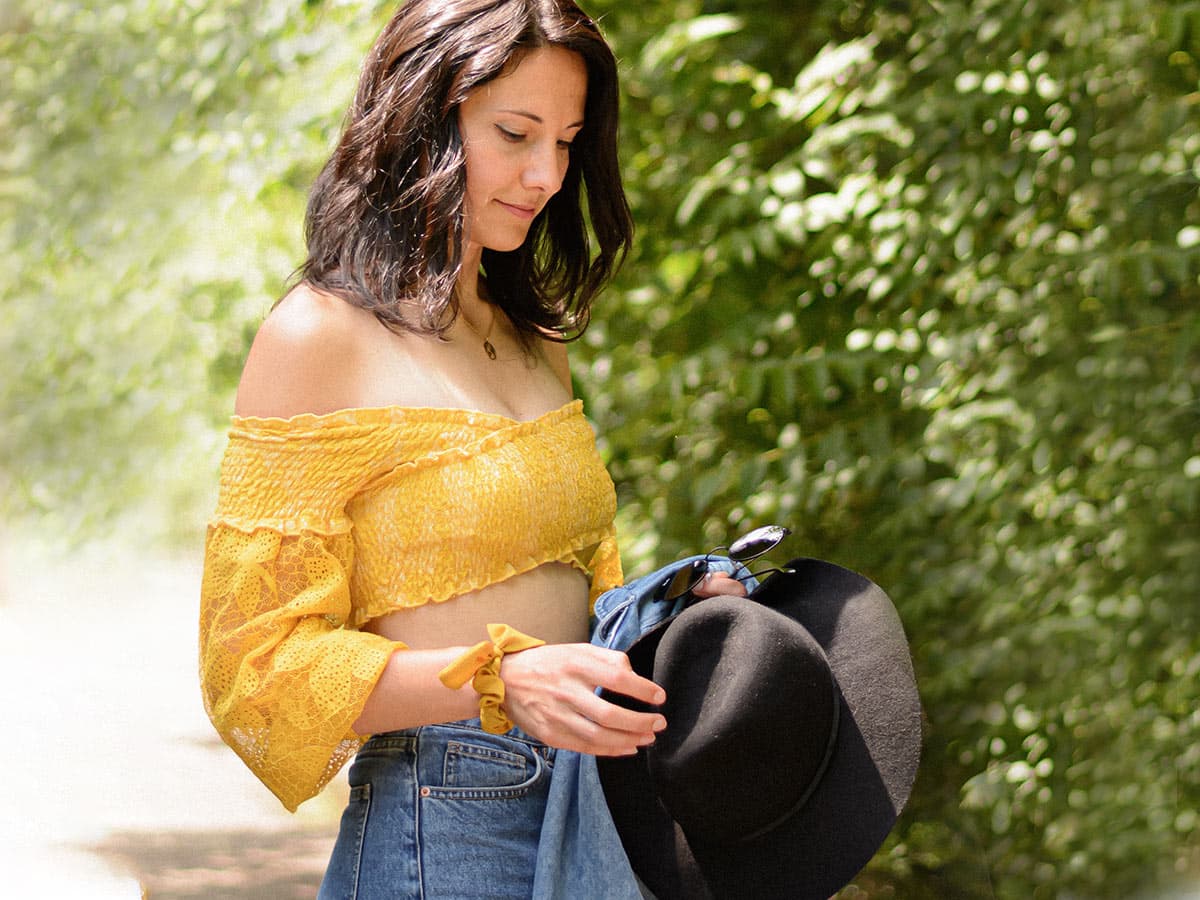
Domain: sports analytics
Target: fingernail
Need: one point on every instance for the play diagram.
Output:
(660, 698)
(660, 723)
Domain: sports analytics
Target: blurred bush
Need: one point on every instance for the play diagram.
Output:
(921, 281)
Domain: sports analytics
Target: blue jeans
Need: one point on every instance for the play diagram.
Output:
(443, 811)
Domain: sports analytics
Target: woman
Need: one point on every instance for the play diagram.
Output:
(407, 467)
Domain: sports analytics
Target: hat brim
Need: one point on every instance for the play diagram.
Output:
(865, 786)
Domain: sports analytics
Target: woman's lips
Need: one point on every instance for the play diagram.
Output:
(521, 212)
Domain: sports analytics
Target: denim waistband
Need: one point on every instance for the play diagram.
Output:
(407, 739)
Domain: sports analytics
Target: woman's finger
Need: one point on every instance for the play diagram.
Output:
(617, 718)
(610, 669)
(719, 583)
(587, 736)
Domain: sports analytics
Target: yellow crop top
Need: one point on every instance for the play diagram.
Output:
(326, 521)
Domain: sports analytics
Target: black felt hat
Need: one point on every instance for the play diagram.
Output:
(792, 740)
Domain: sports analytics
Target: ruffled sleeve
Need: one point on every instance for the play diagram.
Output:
(284, 676)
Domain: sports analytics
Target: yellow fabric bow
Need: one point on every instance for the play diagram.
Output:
(481, 664)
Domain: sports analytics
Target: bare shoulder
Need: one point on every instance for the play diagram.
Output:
(556, 355)
(304, 358)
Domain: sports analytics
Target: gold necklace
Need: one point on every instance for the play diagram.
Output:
(488, 348)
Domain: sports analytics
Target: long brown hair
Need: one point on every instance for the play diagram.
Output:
(385, 216)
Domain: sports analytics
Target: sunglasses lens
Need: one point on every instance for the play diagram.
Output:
(686, 578)
(750, 545)
(757, 542)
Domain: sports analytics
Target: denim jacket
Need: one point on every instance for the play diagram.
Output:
(579, 844)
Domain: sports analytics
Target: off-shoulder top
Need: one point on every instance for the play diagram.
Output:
(326, 521)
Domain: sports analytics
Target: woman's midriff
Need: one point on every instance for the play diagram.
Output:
(549, 602)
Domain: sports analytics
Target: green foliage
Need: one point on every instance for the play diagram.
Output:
(918, 280)
(151, 191)
(927, 293)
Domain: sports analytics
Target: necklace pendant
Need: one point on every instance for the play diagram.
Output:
(489, 349)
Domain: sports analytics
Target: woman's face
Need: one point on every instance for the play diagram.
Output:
(517, 131)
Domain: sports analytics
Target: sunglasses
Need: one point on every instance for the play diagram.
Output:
(749, 546)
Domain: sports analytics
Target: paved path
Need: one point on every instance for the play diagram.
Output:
(112, 782)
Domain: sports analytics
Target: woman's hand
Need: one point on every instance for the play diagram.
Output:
(550, 692)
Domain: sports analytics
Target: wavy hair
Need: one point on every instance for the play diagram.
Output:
(385, 219)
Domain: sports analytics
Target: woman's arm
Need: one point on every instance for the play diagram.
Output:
(549, 693)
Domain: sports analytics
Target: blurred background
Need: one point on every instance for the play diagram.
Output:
(917, 279)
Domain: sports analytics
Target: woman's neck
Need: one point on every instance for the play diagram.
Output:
(471, 293)
(468, 285)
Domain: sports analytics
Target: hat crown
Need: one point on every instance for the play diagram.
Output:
(752, 709)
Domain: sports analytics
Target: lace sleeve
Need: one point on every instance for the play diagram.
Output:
(283, 675)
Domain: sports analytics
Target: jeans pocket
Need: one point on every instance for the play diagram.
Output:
(342, 875)
(483, 766)
(476, 765)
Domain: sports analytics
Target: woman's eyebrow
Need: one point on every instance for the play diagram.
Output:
(536, 118)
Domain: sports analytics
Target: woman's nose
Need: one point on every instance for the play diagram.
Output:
(545, 168)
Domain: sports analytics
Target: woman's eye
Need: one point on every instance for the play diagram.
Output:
(513, 136)
(565, 145)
